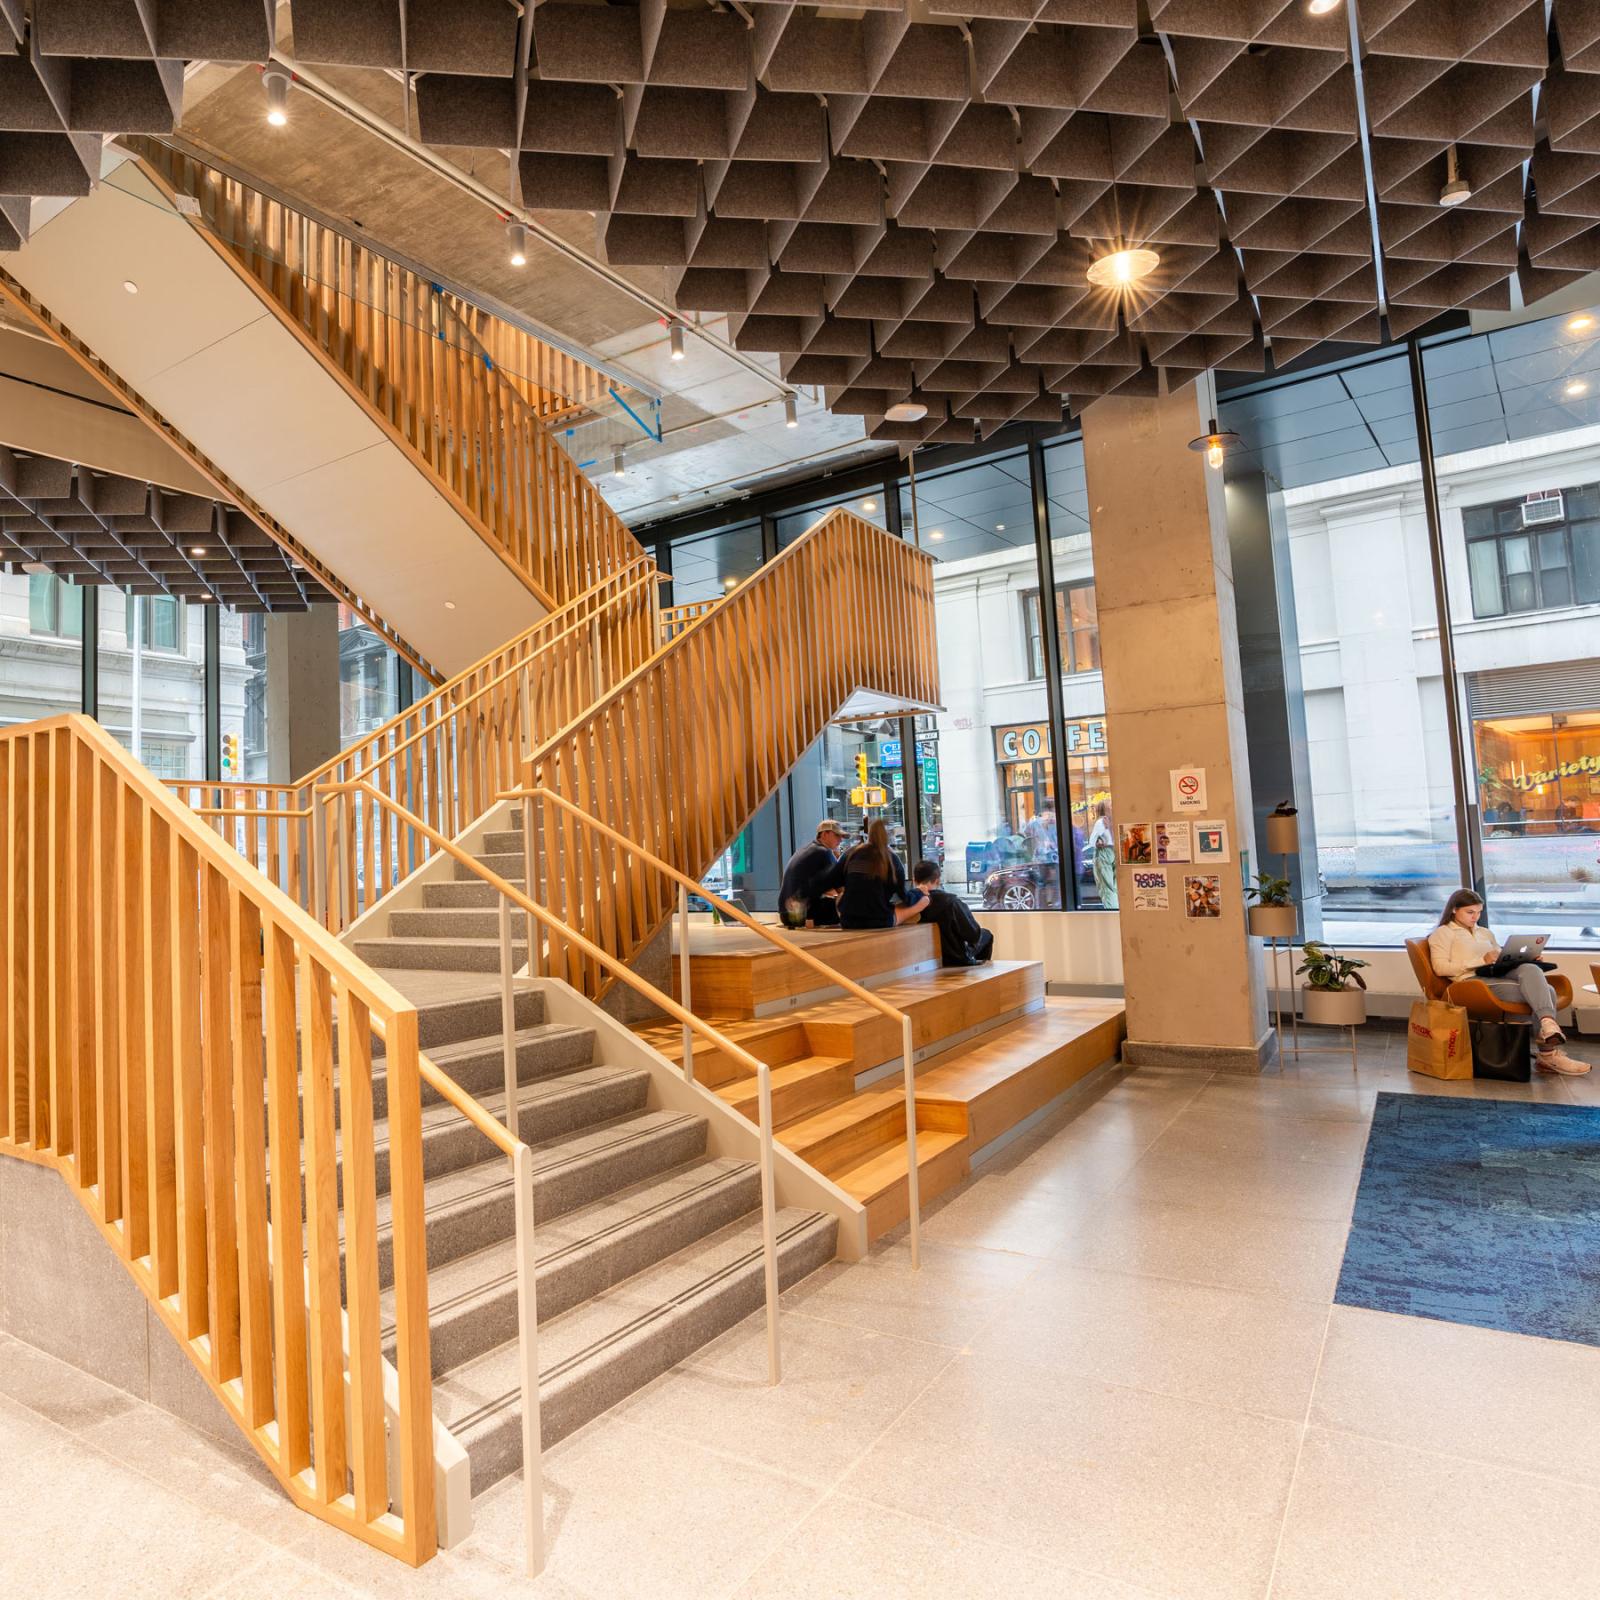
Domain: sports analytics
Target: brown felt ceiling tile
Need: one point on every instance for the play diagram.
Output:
(1457, 30)
(1578, 27)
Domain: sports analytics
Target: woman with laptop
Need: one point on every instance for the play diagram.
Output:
(1461, 946)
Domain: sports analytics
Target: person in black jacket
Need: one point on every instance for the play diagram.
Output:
(962, 943)
(802, 900)
(874, 880)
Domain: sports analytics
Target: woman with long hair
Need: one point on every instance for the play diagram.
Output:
(1462, 943)
(1102, 852)
(874, 882)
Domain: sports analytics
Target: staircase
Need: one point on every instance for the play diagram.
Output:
(379, 437)
(647, 1245)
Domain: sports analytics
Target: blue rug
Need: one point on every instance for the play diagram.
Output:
(1480, 1211)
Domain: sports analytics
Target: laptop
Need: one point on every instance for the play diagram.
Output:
(1514, 952)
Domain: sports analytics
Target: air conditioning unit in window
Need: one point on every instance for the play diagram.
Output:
(1544, 506)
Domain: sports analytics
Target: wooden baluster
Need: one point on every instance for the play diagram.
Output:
(13, 898)
(38, 941)
(361, 1256)
(189, 1091)
(250, 1166)
(288, 1261)
(157, 938)
(322, 1228)
(63, 1037)
(108, 1022)
(222, 1239)
(135, 998)
(81, 843)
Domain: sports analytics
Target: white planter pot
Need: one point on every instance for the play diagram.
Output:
(1334, 1008)
(1283, 835)
(1273, 922)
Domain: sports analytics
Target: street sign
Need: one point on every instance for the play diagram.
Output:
(930, 775)
(888, 752)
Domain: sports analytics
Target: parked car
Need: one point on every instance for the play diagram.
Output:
(1023, 886)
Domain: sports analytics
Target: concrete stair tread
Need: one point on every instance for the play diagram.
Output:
(492, 1176)
(885, 1169)
(602, 1350)
(442, 1115)
(430, 953)
(680, 1205)
(553, 1033)
(454, 922)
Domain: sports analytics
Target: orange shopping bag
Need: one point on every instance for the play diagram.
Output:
(1437, 1040)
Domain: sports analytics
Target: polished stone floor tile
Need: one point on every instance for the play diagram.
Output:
(1271, 1095)
(1229, 1249)
(1188, 1340)
(1169, 1495)
(991, 1213)
(1375, 1521)
(850, 1550)
(63, 1393)
(842, 1386)
(953, 1294)
(23, 1432)
(1463, 1391)
(1226, 1137)
(1297, 1191)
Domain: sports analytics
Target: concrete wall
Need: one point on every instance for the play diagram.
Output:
(63, 1290)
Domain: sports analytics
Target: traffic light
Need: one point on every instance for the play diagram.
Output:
(231, 765)
(861, 768)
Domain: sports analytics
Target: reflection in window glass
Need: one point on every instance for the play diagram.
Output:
(707, 566)
(870, 507)
(369, 679)
(153, 699)
(243, 689)
(1337, 453)
(1517, 450)
(1092, 827)
(988, 788)
(41, 647)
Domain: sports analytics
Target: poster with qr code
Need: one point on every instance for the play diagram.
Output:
(1150, 889)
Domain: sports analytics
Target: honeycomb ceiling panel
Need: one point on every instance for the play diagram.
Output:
(900, 200)
(95, 527)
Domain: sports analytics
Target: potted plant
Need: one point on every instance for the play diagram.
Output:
(1335, 991)
(1283, 830)
(1273, 914)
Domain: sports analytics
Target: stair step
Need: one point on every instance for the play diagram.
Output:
(502, 841)
(551, 1108)
(603, 1350)
(505, 864)
(438, 955)
(474, 1206)
(473, 1300)
(446, 1022)
(462, 892)
(798, 1087)
(842, 1134)
(879, 1182)
(453, 922)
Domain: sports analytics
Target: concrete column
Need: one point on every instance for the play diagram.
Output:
(302, 691)
(1169, 649)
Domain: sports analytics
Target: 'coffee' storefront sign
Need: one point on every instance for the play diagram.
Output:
(1030, 741)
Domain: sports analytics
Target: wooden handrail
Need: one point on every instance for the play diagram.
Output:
(452, 750)
(409, 354)
(174, 1031)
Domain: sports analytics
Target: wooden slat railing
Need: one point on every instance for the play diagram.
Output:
(674, 619)
(680, 755)
(409, 354)
(180, 1042)
(448, 755)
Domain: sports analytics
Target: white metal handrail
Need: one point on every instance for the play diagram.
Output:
(687, 885)
(337, 823)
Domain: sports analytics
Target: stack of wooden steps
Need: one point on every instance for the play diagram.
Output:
(991, 1050)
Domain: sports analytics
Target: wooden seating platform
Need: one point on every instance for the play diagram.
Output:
(991, 1050)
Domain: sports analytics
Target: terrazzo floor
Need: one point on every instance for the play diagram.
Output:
(1120, 1374)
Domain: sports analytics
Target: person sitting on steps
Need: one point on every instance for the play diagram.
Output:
(1461, 944)
(876, 894)
(962, 943)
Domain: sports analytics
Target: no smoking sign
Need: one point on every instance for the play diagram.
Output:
(1188, 788)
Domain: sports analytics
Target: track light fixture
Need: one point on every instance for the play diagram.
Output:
(276, 82)
(619, 464)
(675, 340)
(791, 413)
(517, 243)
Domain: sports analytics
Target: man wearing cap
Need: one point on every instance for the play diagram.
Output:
(801, 901)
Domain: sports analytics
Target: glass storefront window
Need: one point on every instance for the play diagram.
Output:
(708, 565)
(870, 506)
(153, 698)
(1516, 426)
(986, 779)
(41, 647)
(369, 679)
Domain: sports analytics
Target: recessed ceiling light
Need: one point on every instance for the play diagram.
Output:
(999, 527)
(1321, 8)
(276, 82)
(1581, 323)
(730, 583)
(449, 605)
(197, 549)
(936, 533)
(869, 505)
(1576, 387)
(130, 286)
(906, 411)
(1123, 268)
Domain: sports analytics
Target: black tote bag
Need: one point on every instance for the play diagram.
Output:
(1502, 1050)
